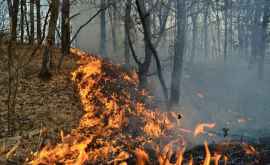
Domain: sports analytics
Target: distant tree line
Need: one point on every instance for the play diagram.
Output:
(194, 29)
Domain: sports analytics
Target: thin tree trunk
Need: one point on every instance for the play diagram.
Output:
(22, 20)
(218, 29)
(39, 31)
(103, 30)
(194, 39)
(226, 30)
(32, 22)
(231, 28)
(205, 24)
(26, 22)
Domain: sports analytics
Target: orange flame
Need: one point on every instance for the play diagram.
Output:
(207, 154)
(141, 156)
(200, 128)
(249, 149)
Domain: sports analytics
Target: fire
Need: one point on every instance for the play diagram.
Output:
(207, 155)
(249, 149)
(190, 161)
(116, 119)
(118, 123)
(200, 128)
(58, 154)
(141, 156)
(217, 158)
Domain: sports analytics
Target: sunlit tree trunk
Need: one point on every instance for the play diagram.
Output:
(22, 20)
(45, 68)
(26, 21)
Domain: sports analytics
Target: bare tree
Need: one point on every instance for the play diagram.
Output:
(13, 7)
(45, 68)
(149, 50)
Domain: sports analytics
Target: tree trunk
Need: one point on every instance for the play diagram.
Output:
(226, 30)
(32, 22)
(65, 25)
(46, 60)
(231, 28)
(144, 67)
(255, 36)
(179, 52)
(149, 50)
(194, 39)
(103, 32)
(127, 28)
(13, 7)
(26, 21)
(218, 28)
(114, 26)
(265, 22)
(205, 25)
(39, 31)
(22, 21)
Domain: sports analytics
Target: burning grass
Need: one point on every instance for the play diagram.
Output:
(120, 125)
(118, 121)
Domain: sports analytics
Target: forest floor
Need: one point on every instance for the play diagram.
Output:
(43, 108)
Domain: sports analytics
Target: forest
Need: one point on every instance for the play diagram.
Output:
(143, 82)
